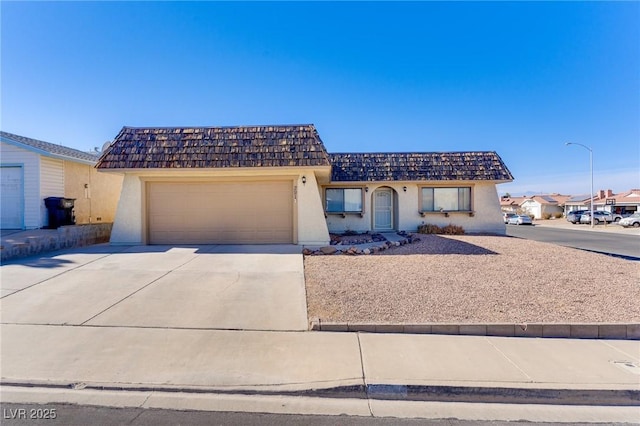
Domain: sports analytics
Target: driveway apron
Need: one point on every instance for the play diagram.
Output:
(196, 287)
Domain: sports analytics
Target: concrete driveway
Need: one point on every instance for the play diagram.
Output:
(199, 287)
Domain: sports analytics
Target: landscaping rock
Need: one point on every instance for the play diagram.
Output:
(328, 250)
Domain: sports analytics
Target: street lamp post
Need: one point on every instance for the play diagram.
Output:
(591, 169)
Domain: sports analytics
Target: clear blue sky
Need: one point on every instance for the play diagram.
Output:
(517, 78)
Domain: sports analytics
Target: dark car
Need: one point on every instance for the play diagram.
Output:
(574, 216)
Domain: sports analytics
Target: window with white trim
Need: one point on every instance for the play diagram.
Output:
(439, 199)
(343, 200)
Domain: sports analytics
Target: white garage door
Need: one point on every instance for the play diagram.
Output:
(12, 188)
(220, 213)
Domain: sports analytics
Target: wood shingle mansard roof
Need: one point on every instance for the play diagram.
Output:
(447, 166)
(288, 146)
(215, 147)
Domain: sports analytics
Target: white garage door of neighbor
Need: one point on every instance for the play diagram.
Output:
(220, 213)
(12, 188)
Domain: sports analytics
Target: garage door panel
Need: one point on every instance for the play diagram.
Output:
(12, 190)
(220, 213)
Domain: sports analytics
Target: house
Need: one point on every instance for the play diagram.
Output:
(32, 170)
(576, 202)
(623, 203)
(544, 206)
(278, 184)
(511, 204)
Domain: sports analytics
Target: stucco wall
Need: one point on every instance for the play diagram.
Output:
(312, 227)
(486, 205)
(127, 226)
(537, 209)
(532, 207)
(97, 202)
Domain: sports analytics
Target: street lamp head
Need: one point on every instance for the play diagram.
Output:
(567, 143)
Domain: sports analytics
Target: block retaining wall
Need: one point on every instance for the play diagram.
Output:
(57, 239)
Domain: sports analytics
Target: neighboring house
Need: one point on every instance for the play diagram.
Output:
(623, 203)
(278, 184)
(32, 170)
(576, 202)
(511, 204)
(541, 205)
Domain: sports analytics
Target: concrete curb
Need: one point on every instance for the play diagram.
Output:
(475, 394)
(572, 331)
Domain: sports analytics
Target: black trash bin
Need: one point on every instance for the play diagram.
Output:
(60, 211)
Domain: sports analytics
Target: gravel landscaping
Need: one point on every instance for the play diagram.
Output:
(473, 279)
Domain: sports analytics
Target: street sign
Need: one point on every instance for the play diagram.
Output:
(610, 201)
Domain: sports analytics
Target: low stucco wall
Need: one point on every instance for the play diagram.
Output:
(39, 241)
(486, 219)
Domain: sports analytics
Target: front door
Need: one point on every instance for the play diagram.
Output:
(383, 209)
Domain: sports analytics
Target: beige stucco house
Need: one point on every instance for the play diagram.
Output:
(32, 170)
(278, 184)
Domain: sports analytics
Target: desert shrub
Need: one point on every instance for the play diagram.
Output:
(557, 215)
(453, 230)
(435, 229)
(428, 228)
(546, 216)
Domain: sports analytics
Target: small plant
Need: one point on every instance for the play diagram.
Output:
(453, 230)
(435, 229)
(428, 228)
(557, 215)
(546, 216)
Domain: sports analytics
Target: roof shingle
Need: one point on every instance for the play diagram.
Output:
(368, 167)
(282, 146)
(50, 148)
(215, 147)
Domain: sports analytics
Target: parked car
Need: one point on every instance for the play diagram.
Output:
(507, 216)
(520, 220)
(598, 216)
(574, 216)
(633, 220)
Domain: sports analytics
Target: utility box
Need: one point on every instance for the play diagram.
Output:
(60, 211)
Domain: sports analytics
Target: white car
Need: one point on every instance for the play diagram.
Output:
(520, 220)
(507, 216)
(633, 220)
(600, 216)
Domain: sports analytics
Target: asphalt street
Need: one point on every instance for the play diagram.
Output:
(627, 246)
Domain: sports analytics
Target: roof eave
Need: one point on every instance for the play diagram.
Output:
(46, 153)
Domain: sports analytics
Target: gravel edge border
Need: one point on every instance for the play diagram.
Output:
(556, 330)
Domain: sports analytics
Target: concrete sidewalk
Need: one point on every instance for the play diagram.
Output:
(375, 365)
